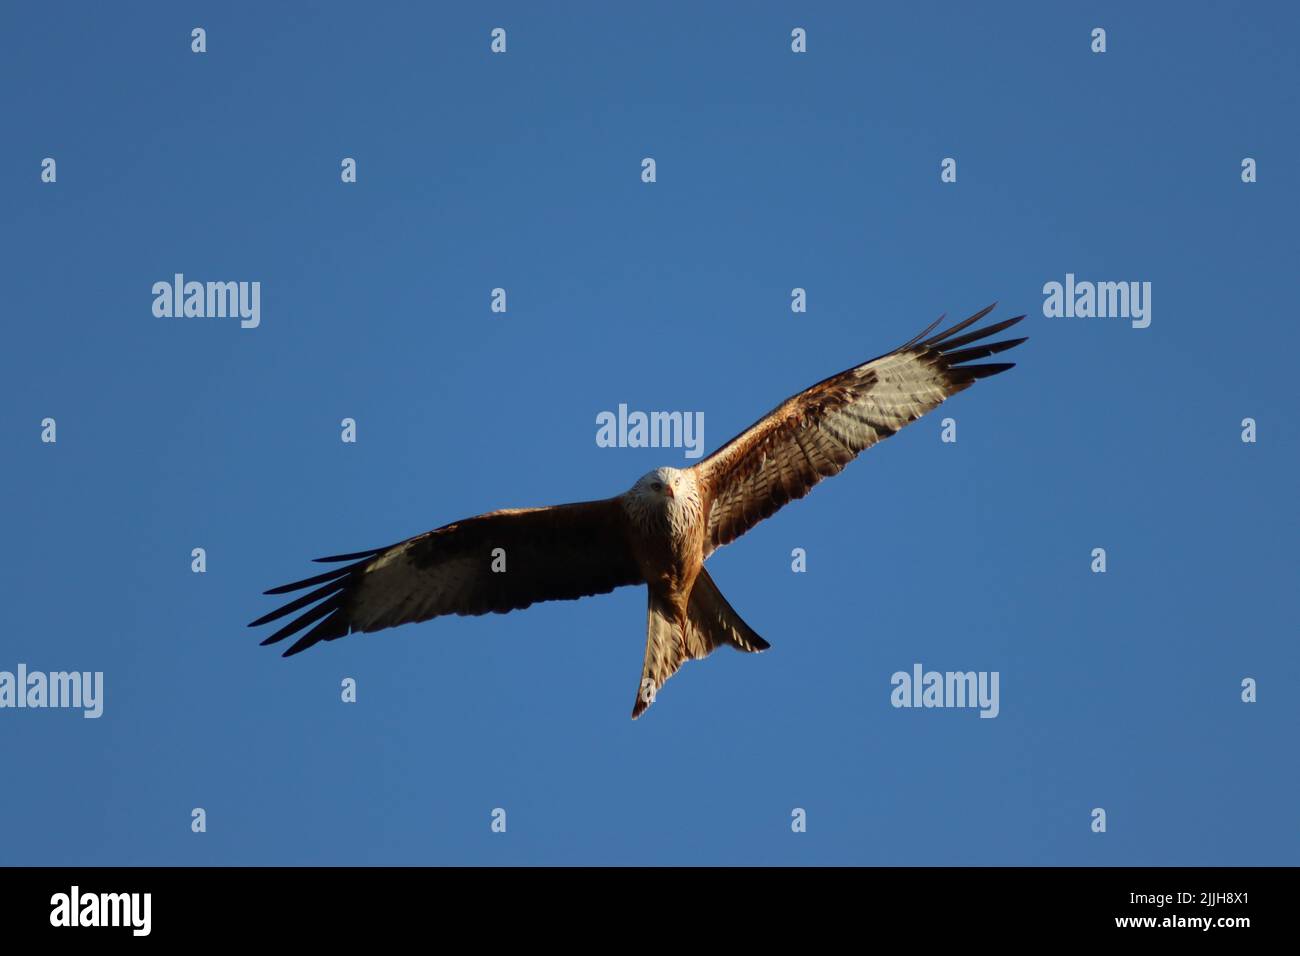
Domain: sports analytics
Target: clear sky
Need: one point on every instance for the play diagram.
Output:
(775, 170)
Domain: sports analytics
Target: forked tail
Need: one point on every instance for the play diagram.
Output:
(710, 623)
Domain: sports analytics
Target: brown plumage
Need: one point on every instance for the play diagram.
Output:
(659, 531)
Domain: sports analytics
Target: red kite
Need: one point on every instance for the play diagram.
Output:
(657, 533)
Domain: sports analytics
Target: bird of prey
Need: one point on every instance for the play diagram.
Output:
(657, 533)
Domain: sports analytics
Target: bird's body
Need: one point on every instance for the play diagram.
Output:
(657, 533)
(665, 518)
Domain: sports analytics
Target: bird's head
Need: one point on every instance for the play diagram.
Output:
(666, 498)
(662, 483)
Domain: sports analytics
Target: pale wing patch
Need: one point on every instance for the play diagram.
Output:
(397, 589)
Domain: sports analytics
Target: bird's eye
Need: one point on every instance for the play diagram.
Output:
(657, 486)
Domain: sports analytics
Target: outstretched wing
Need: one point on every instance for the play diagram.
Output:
(817, 432)
(545, 554)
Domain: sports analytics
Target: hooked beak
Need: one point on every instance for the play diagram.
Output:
(668, 491)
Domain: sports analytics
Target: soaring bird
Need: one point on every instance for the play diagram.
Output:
(657, 533)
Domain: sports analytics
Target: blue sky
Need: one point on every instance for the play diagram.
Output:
(774, 170)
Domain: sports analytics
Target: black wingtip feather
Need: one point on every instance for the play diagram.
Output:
(978, 334)
(310, 597)
(336, 585)
(972, 372)
(981, 351)
(923, 333)
(311, 617)
(964, 323)
(356, 555)
(327, 630)
(309, 582)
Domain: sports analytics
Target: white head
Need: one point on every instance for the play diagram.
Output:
(664, 497)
